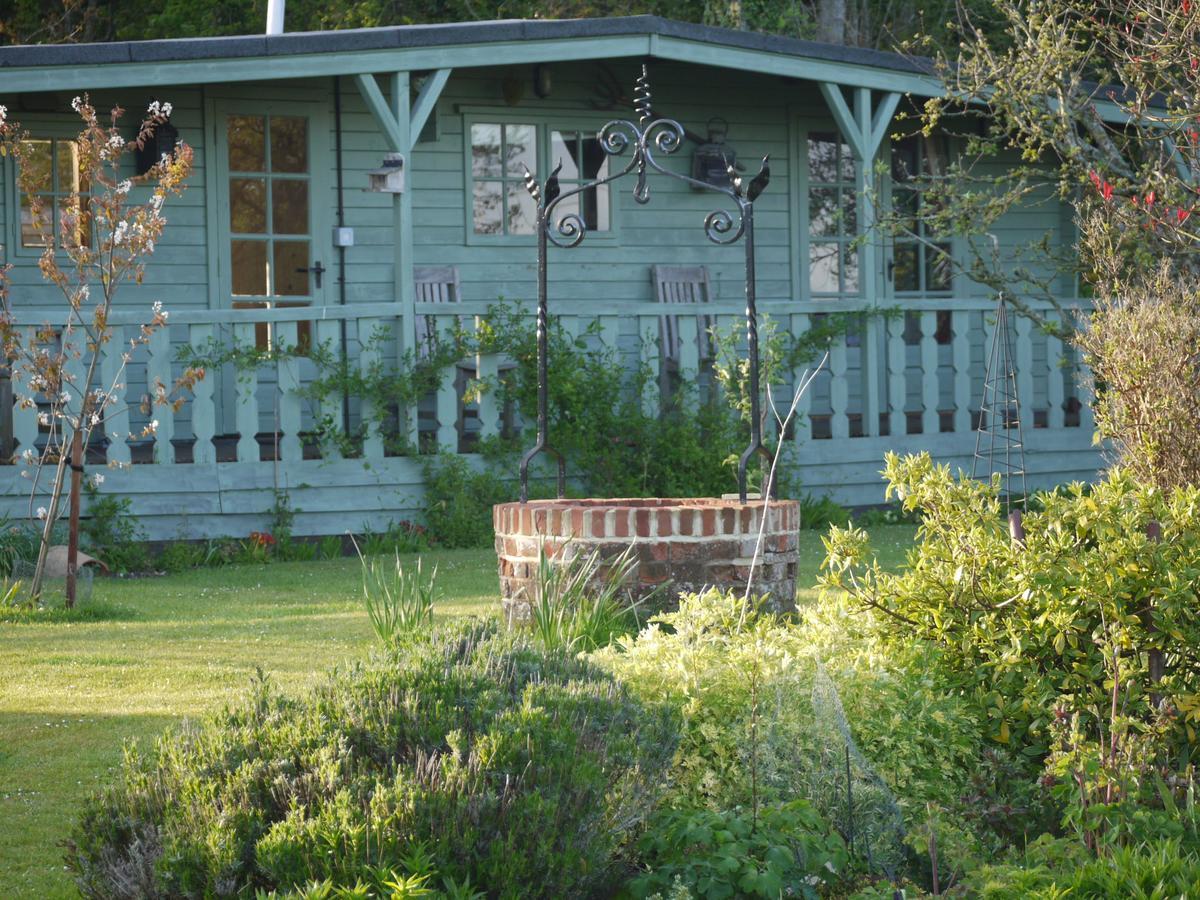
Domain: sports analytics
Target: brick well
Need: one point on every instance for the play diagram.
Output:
(689, 544)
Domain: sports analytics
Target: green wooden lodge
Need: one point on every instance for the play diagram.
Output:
(278, 238)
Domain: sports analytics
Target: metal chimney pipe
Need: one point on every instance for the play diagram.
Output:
(275, 16)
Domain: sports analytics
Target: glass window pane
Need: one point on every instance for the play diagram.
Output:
(31, 231)
(290, 257)
(595, 208)
(905, 159)
(247, 146)
(824, 264)
(564, 148)
(520, 149)
(824, 218)
(849, 270)
(485, 151)
(248, 205)
(39, 160)
(66, 157)
(71, 230)
(522, 215)
(592, 158)
(937, 268)
(289, 206)
(822, 158)
(485, 206)
(289, 144)
(249, 268)
(905, 276)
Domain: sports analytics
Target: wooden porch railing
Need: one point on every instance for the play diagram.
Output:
(918, 373)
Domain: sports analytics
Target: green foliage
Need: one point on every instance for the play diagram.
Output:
(581, 602)
(18, 543)
(399, 601)
(1156, 869)
(110, 533)
(818, 513)
(508, 766)
(459, 500)
(1027, 630)
(788, 851)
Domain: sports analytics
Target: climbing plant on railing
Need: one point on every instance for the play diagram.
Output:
(94, 239)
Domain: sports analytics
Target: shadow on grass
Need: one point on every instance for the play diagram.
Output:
(91, 611)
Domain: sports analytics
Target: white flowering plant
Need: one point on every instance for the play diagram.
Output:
(102, 242)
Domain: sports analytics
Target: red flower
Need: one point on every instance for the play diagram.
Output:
(1149, 199)
(1107, 191)
(1181, 215)
(262, 539)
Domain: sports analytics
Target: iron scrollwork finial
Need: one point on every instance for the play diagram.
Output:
(644, 138)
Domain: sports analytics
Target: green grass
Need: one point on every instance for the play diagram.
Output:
(156, 650)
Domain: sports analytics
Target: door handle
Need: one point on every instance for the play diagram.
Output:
(316, 269)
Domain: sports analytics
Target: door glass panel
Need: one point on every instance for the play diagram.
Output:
(289, 206)
(289, 144)
(250, 268)
(291, 268)
(248, 205)
(247, 143)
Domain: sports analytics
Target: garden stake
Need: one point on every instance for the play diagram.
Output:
(645, 137)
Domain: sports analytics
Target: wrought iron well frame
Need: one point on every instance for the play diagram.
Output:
(645, 136)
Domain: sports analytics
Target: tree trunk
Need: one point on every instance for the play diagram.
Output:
(831, 21)
(73, 530)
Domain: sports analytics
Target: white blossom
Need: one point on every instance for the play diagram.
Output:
(121, 232)
(43, 418)
(76, 104)
(3, 114)
(159, 109)
(97, 480)
(123, 187)
(41, 511)
(153, 426)
(27, 456)
(116, 142)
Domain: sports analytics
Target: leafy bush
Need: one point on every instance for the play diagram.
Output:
(110, 533)
(399, 601)
(788, 850)
(459, 500)
(1030, 630)
(511, 767)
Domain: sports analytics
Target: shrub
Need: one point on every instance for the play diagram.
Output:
(459, 500)
(788, 850)
(110, 533)
(512, 768)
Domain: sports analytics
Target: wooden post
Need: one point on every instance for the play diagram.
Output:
(73, 528)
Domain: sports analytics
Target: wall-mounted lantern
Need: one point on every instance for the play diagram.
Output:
(388, 178)
(712, 159)
(543, 83)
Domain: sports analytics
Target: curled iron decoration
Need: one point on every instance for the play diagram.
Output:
(645, 137)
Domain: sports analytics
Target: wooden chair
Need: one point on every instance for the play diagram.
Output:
(433, 284)
(681, 284)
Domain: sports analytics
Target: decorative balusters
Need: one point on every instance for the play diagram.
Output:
(1023, 360)
(1084, 391)
(158, 371)
(203, 410)
(332, 409)
(246, 397)
(897, 363)
(839, 390)
(25, 414)
(960, 345)
(1055, 372)
(368, 357)
(114, 378)
(868, 355)
(487, 371)
(801, 425)
(287, 380)
(930, 385)
(689, 348)
(448, 402)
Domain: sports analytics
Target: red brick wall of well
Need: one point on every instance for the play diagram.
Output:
(688, 545)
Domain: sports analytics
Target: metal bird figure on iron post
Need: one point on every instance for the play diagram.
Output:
(645, 137)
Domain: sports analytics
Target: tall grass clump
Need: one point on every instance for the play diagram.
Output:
(518, 771)
(582, 602)
(399, 599)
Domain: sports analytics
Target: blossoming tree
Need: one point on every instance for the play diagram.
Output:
(102, 240)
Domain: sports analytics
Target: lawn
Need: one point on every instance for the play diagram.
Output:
(167, 648)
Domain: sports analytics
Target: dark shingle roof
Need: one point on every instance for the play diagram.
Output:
(407, 36)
